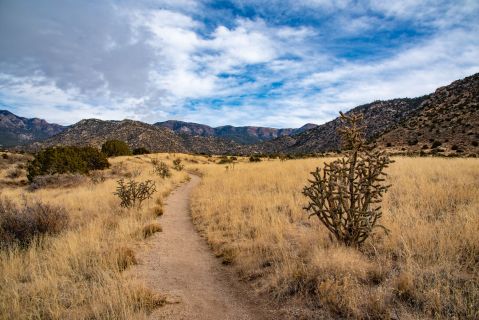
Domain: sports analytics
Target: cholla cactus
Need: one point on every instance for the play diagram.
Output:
(346, 194)
(132, 193)
(160, 168)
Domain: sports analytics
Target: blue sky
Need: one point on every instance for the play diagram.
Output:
(244, 62)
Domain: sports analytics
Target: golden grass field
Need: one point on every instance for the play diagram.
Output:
(427, 267)
(78, 274)
(251, 215)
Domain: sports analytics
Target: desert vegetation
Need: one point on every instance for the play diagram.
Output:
(66, 252)
(425, 267)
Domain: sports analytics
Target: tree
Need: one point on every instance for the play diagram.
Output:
(347, 193)
(115, 148)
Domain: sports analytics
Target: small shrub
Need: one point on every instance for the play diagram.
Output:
(254, 159)
(177, 165)
(132, 193)
(14, 173)
(345, 196)
(4, 156)
(57, 181)
(475, 143)
(161, 169)
(21, 224)
(115, 148)
(435, 144)
(66, 160)
(141, 150)
(151, 229)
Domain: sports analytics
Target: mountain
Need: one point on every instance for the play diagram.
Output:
(447, 122)
(15, 130)
(242, 135)
(379, 116)
(137, 134)
(449, 116)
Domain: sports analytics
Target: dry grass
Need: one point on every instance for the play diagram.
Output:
(77, 274)
(150, 229)
(428, 267)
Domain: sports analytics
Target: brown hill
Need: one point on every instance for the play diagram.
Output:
(379, 116)
(446, 123)
(137, 134)
(15, 130)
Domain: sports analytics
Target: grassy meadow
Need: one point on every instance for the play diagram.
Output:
(427, 267)
(78, 274)
(251, 215)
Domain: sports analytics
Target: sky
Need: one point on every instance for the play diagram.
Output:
(241, 62)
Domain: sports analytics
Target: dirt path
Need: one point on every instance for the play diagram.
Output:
(179, 263)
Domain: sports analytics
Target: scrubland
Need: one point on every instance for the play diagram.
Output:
(78, 273)
(425, 268)
(252, 216)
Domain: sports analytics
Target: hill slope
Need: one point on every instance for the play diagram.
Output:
(95, 132)
(447, 122)
(449, 116)
(15, 130)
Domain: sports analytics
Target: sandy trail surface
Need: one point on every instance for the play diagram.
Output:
(178, 262)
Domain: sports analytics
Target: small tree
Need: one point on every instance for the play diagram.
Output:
(115, 148)
(133, 193)
(177, 165)
(141, 150)
(160, 168)
(345, 195)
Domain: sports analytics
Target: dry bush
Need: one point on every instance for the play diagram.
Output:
(150, 229)
(67, 180)
(14, 173)
(427, 267)
(21, 224)
(133, 193)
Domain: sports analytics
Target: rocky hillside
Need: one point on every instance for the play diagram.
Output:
(15, 130)
(446, 123)
(95, 132)
(379, 117)
(243, 135)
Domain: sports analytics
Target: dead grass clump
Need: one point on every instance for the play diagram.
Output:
(150, 229)
(21, 224)
(125, 257)
(146, 299)
(158, 211)
(67, 180)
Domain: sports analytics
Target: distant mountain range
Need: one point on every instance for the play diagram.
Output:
(243, 135)
(15, 130)
(443, 122)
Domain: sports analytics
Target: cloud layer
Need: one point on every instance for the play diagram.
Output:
(272, 63)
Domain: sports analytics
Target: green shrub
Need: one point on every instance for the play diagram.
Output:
(58, 160)
(254, 159)
(141, 150)
(115, 148)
